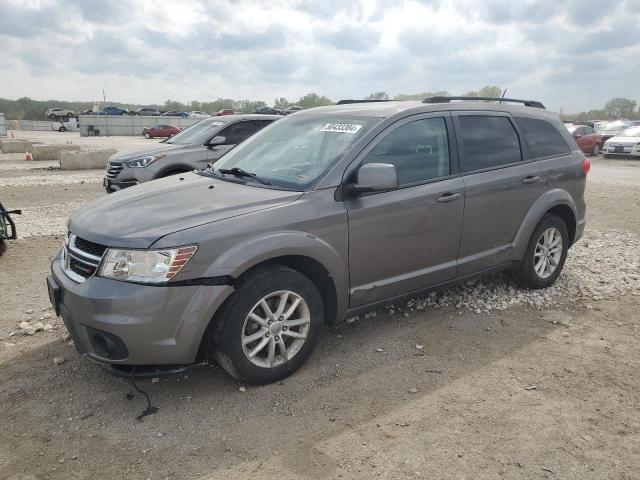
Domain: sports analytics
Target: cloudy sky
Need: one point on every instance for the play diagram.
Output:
(571, 54)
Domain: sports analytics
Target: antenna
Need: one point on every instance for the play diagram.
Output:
(503, 94)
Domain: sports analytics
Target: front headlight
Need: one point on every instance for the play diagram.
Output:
(143, 161)
(145, 266)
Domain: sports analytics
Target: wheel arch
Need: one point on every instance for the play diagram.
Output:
(555, 201)
(300, 251)
(173, 169)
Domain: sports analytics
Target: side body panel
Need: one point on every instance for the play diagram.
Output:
(496, 203)
(314, 226)
(403, 240)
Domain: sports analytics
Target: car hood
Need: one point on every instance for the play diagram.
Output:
(139, 216)
(625, 140)
(157, 149)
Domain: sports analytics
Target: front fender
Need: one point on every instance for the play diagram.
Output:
(253, 251)
(547, 201)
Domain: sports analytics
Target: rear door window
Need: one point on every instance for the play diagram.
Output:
(237, 132)
(543, 138)
(419, 150)
(488, 142)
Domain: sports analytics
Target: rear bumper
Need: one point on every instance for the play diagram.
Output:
(120, 323)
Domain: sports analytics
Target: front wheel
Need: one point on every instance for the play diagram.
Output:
(269, 327)
(147, 135)
(546, 253)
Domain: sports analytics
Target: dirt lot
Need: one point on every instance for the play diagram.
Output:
(480, 381)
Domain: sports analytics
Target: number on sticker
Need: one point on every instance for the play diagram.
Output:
(341, 127)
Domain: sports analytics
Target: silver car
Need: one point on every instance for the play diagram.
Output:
(194, 147)
(326, 213)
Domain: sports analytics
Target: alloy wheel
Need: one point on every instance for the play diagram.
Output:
(548, 252)
(276, 329)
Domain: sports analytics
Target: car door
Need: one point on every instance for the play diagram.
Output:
(407, 239)
(592, 139)
(581, 140)
(499, 188)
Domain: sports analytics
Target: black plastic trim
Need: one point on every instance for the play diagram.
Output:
(527, 103)
(209, 281)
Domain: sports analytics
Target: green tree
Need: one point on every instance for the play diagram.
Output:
(421, 96)
(377, 96)
(620, 108)
(311, 100)
(281, 103)
(486, 91)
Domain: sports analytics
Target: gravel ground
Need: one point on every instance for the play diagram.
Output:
(484, 380)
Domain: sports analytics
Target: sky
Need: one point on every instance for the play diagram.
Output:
(573, 55)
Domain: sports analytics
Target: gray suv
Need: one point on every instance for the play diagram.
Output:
(193, 148)
(326, 213)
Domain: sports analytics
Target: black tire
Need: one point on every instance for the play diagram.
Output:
(3, 246)
(596, 150)
(62, 129)
(147, 135)
(225, 334)
(526, 273)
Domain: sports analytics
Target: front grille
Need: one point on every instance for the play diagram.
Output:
(80, 258)
(89, 247)
(113, 169)
(83, 269)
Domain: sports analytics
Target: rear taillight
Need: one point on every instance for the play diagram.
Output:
(586, 166)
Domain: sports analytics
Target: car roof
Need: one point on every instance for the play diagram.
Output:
(387, 109)
(248, 116)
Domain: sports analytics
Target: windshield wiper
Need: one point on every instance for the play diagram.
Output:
(238, 172)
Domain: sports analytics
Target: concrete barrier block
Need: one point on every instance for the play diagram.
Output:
(51, 152)
(16, 146)
(74, 160)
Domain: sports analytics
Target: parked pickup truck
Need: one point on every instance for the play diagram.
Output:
(113, 111)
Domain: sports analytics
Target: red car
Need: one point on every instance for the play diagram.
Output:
(224, 111)
(160, 131)
(587, 139)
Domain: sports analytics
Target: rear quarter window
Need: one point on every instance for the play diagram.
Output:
(543, 138)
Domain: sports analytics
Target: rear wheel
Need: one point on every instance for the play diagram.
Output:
(3, 246)
(546, 253)
(596, 150)
(269, 327)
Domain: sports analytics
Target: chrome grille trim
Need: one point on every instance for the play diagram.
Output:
(113, 169)
(87, 260)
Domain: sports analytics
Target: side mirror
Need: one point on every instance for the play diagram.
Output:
(375, 177)
(218, 140)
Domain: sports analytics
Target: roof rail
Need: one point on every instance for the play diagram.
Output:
(349, 102)
(527, 103)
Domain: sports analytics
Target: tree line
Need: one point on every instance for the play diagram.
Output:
(28, 109)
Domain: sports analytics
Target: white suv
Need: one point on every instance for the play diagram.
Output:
(54, 113)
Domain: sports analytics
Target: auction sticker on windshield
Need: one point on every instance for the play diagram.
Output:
(341, 127)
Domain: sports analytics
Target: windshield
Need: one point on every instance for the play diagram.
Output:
(294, 152)
(631, 132)
(195, 134)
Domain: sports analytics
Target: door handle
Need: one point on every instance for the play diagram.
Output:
(530, 179)
(449, 197)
